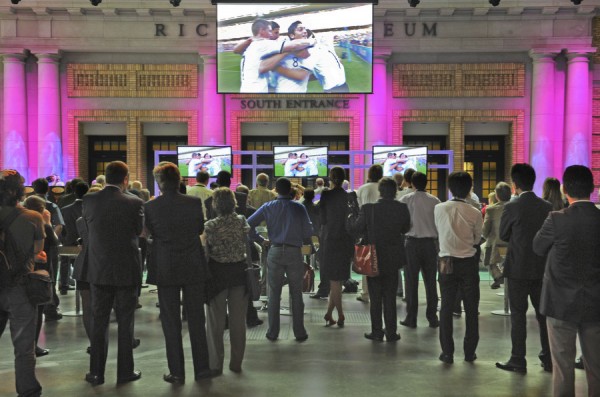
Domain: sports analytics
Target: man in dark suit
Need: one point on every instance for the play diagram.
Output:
(177, 264)
(224, 180)
(523, 268)
(115, 220)
(571, 290)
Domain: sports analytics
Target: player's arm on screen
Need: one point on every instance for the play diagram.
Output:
(242, 45)
(294, 74)
(271, 62)
(295, 45)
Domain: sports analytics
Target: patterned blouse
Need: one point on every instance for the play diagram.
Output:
(226, 238)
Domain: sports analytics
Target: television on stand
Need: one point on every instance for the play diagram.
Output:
(397, 159)
(211, 159)
(300, 161)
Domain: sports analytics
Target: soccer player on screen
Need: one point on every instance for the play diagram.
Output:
(389, 165)
(328, 68)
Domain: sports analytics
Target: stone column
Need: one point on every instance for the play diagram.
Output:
(213, 120)
(545, 138)
(15, 143)
(578, 116)
(376, 131)
(49, 126)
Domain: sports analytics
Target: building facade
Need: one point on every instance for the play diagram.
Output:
(84, 85)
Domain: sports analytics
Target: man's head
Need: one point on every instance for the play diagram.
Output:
(224, 179)
(283, 186)
(11, 187)
(40, 186)
(137, 185)
(167, 176)
(375, 173)
(262, 28)
(391, 155)
(72, 183)
(297, 31)
(262, 180)
(399, 178)
(242, 189)
(408, 174)
(117, 173)
(101, 180)
(523, 176)
(309, 195)
(202, 177)
(80, 189)
(419, 181)
(387, 188)
(274, 30)
(578, 182)
(503, 191)
(460, 184)
(320, 182)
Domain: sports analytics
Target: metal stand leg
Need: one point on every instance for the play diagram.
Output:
(506, 310)
(77, 311)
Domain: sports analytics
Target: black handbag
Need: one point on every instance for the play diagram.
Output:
(38, 285)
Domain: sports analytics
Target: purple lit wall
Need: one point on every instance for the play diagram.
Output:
(49, 149)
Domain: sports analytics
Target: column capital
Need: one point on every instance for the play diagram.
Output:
(583, 53)
(543, 54)
(47, 57)
(13, 58)
(208, 58)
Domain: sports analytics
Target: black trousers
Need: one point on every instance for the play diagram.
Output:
(382, 294)
(518, 292)
(124, 300)
(421, 256)
(465, 278)
(170, 317)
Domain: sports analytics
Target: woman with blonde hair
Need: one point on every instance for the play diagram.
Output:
(551, 193)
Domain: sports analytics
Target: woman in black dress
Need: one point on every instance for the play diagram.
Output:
(336, 244)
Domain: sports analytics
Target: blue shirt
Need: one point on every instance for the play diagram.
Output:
(287, 222)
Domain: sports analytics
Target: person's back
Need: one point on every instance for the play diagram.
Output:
(261, 194)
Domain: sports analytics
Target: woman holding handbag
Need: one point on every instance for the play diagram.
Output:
(336, 244)
(384, 224)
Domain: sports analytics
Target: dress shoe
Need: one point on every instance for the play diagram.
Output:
(271, 338)
(301, 338)
(434, 323)
(176, 380)
(64, 292)
(318, 296)
(495, 284)
(579, 363)
(133, 377)
(329, 321)
(400, 294)
(392, 337)
(39, 352)
(136, 343)
(207, 374)
(547, 366)
(373, 336)
(89, 350)
(254, 323)
(363, 300)
(446, 358)
(511, 366)
(94, 380)
(341, 321)
(237, 370)
(408, 324)
(471, 358)
(53, 316)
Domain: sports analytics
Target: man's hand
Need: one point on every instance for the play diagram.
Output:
(41, 257)
(47, 217)
(266, 243)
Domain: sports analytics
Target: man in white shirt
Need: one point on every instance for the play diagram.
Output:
(328, 68)
(194, 164)
(200, 190)
(389, 165)
(421, 252)
(459, 227)
(289, 168)
(369, 194)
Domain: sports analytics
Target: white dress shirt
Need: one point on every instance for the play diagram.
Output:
(459, 228)
(368, 193)
(421, 206)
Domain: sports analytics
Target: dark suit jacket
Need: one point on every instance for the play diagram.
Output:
(571, 289)
(114, 220)
(80, 267)
(520, 221)
(175, 222)
(70, 215)
(66, 199)
(386, 222)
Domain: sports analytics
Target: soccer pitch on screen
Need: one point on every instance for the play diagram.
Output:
(358, 72)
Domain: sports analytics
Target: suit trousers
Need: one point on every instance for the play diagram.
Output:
(124, 300)
(465, 278)
(421, 256)
(282, 261)
(234, 301)
(15, 305)
(170, 317)
(382, 291)
(518, 292)
(562, 336)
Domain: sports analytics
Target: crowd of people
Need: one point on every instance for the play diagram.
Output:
(196, 242)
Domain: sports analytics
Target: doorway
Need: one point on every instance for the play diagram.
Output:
(103, 150)
(484, 160)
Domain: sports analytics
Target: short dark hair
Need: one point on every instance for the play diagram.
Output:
(258, 25)
(274, 25)
(242, 189)
(419, 180)
(523, 176)
(503, 191)
(337, 175)
(202, 177)
(223, 179)
(408, 175)
(116, 172)
(460, 184)
(283, 186)
(167, 176)
(387, 188)
(11, 188)
(375, 173)
(40, 186)
(80, 189)
(293, 26)
(578, 181)
(309, 194)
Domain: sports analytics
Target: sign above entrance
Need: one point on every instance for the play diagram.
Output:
(295, 104)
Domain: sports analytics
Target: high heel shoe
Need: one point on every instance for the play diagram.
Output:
(329, 321)
(340, 321)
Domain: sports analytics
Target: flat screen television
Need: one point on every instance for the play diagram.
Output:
(261, 47)
(300, 161)
(396, 159)
(212, 159)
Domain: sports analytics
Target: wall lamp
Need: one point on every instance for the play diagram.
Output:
(495, 3)
(413, 3)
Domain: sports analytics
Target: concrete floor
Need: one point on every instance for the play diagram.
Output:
(334, 361)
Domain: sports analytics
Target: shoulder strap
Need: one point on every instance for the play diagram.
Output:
(10, 218)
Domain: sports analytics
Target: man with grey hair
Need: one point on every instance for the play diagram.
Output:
(319, 186)
(101, 180)
(261, 194)
(200, 189)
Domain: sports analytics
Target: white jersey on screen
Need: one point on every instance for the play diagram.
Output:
(285, 84)
(328, 68)
(252, 80)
